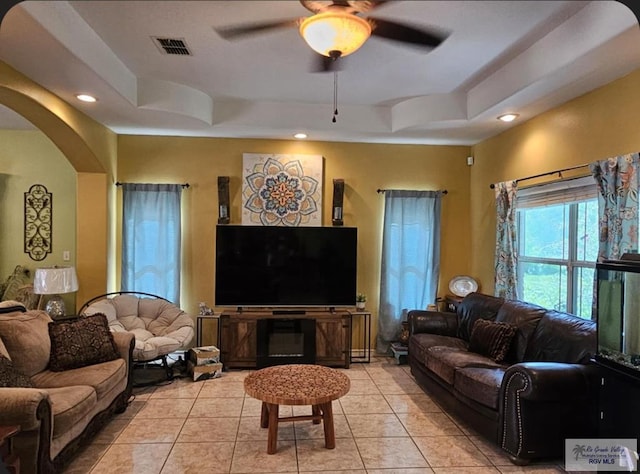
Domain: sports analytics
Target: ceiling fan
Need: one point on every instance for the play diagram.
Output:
(336, 30)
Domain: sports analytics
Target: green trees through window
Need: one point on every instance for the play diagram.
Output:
(557, 252)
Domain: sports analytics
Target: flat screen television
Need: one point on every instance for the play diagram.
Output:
(285, 266)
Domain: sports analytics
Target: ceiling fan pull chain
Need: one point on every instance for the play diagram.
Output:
(335, 95)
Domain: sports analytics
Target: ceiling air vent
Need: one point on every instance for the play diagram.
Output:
(172, 46)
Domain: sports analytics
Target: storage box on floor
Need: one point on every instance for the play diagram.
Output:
(204, 363)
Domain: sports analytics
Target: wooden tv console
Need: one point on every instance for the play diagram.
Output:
(238, 335)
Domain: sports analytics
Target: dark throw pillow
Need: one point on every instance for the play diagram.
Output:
(12, 377)
(79, 342)
(491, 339)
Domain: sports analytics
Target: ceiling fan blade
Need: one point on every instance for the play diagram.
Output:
(325, 64)
(238, 31)
(405, 34)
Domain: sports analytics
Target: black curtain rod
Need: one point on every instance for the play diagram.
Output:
(184, 185)
(382, 191)
(492, 186)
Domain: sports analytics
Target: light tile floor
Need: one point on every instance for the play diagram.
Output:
(385, 425)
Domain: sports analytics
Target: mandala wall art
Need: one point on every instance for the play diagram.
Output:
(282, 190)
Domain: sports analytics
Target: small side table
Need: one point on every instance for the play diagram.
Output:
(452, 302)
(199, 319)
(364, 336)
(8, 460)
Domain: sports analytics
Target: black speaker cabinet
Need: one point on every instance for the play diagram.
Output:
(338, 196)
(223, 200)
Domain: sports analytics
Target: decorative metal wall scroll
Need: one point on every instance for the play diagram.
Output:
(337, 206)
(37, 222)
(223, 200)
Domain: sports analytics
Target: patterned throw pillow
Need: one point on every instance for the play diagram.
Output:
(19, 278)
(491, 339)
(80, 342)
(10, 376)
(27, 297)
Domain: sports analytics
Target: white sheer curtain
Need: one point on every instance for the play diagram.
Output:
(151, 239)
(410, 258)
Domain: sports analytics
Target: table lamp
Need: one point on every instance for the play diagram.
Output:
(55, 281)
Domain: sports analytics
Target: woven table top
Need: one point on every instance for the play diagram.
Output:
(297, 384)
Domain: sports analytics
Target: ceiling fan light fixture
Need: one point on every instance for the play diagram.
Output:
(335, 31)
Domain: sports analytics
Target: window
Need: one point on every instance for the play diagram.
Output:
(557, 227)
(151, 239)
(410, 262)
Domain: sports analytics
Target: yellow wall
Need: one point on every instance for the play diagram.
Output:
(90, 148)
(28, 158)
(364, 167)
(595, 126)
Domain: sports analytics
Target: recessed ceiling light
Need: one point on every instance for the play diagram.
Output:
(86, 98)
(508, 117)
(300, 136)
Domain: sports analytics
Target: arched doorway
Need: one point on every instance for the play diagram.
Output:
(91, 150)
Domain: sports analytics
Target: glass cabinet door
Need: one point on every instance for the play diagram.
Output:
(618, 308)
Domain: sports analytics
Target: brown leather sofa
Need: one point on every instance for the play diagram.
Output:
(543, 392)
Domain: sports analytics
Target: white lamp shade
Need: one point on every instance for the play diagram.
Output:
(55, 281)
(335, 31)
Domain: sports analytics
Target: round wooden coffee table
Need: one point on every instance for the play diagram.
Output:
(297, 384)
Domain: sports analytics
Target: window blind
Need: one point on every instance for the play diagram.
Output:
(557, 192)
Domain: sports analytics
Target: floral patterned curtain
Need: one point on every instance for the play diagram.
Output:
(617, 181)
(506, 264)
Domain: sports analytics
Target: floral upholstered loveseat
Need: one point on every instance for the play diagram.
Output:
(59, 382)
